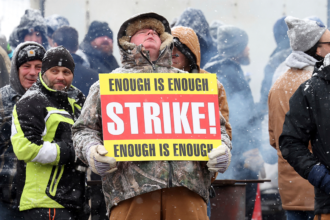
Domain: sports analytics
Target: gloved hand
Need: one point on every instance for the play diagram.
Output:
(220, 158)
(320, 178)
(99, 163)
(253, 161)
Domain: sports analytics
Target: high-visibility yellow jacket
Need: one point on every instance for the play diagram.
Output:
(48, 176)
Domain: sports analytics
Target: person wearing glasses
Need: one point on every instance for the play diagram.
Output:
(310, 42)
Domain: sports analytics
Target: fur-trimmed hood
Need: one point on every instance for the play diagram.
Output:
(136, 57)
(141, 21)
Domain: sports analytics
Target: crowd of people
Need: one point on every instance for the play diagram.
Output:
(51, 122)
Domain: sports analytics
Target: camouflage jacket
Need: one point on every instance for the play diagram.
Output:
(135, 178)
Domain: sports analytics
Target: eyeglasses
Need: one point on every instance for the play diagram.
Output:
(323, 43)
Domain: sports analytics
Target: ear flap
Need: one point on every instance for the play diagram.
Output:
(125, 43)
(166, 40)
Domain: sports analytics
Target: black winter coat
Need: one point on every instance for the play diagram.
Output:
(99, 61)
(308, 120)
(84, 77)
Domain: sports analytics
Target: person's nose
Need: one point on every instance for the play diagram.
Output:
(60, 76)
(34, 38)
(33, 71)
(152, 32)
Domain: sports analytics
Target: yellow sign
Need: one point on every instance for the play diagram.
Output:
(161, 116)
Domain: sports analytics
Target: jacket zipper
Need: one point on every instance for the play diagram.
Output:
(153, 65)
(170, 174)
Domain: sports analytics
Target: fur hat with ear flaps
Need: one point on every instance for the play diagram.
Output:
(142, 21)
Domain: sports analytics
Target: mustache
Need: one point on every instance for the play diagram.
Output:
(60, 81)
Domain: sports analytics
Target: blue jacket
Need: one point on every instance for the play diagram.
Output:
(242, 117)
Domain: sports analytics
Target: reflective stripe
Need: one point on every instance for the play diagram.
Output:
(49, 114)
(47, 153)
(13, 127)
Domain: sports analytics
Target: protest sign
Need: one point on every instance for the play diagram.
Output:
(165, 116)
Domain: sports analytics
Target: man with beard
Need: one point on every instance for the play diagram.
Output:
(26, 64)
(98, 45)
(233, 52)
(85, 77)
(51, 181)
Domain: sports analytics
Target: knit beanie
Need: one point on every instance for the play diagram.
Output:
(57, 56)
(231, 41)
(304, 33)
(29, 53)
(98, 29)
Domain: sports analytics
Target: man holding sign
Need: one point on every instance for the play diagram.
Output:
(149, 121)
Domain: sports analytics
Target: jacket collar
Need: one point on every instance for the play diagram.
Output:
(321, 71)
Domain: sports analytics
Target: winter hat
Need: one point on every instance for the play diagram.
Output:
(186, 41)
(54, 22)
(196, 20)
(304, 34)
(57, 56)
(98, 29)
(142, 21)
(214, 29)
(32, 21)
(231, 40)
(14, 73)
(30, 53)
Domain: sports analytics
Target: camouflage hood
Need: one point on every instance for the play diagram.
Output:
(136, 57)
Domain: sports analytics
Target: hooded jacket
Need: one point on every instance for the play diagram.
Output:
(32, 20)
(243, 118)
(189, 38)
(135, 178)
(281, 52)
(195, 19)
(99, 61)
(4, 68)
(9, 95)
(48, 176)
(301, 196)
(307, 121)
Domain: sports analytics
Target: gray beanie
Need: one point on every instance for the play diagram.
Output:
(231, 40)
(304, 33)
